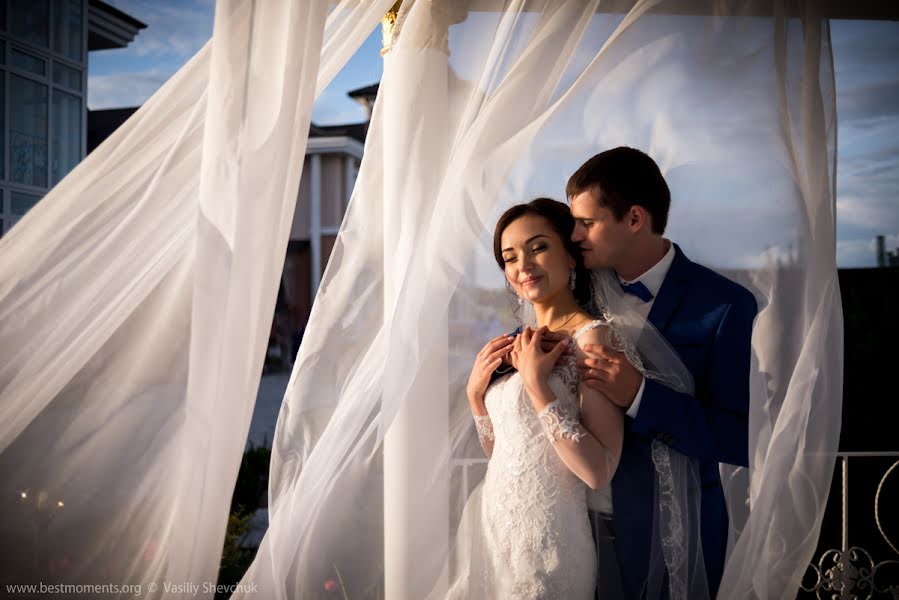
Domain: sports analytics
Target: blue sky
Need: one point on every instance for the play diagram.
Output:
(176, 30)
(866, 56)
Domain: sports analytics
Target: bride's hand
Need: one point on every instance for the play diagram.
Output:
(485, 363)
(547, 342)
(533, 363)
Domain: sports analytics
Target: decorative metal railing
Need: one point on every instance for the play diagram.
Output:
(850, 571)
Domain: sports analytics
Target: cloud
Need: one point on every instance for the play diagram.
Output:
(175, 32)
(124, 89)
(174, 29)
(870, 100)
(860, 47)
(872, 213)
(866, 60)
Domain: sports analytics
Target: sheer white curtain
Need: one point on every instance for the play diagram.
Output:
(135, 298)
(135, 304)
(489, 103)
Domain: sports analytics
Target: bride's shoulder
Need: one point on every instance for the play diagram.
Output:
(588, 330)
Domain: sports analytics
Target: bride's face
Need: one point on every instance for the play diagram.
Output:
(537, 265)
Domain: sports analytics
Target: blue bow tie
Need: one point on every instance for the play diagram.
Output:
(637, 289)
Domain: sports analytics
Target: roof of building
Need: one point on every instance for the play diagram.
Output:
(108, 27)
(364, 92)
(357, 131)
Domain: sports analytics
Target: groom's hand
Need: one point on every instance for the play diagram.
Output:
(610, 373)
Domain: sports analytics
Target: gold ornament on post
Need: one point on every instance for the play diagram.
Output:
(388, 28)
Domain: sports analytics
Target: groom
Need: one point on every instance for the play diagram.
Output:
(620, 202)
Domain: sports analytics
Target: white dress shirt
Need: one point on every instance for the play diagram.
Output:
(652, 279)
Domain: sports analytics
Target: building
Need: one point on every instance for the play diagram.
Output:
(886, 258)
(44, 47)
(333, 157)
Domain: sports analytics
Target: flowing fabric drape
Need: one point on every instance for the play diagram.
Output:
(136, 302)
(134, 297)
(487, 104)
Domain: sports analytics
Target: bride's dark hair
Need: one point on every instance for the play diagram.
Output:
(558, 215)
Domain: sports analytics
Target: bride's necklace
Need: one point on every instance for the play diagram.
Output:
(573, 315)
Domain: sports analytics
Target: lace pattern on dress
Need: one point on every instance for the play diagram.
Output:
(558, 423)
(527, 534)
(485, 428)
(672, 527)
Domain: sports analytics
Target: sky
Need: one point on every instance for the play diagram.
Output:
(866, 59)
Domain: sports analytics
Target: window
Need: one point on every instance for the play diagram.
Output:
(66, 76)
(27, 131)
(43, 59)
(28, 62)
(21, 203)
(30, 20)
(2, 128)
(68, 29)
(66, 145)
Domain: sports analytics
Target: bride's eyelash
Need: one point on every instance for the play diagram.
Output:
(534, 249)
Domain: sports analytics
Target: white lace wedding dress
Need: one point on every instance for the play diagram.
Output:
(524, 531)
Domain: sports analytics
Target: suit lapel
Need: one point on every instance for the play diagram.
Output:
(672, 290)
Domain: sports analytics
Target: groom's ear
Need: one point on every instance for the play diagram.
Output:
(638, 218)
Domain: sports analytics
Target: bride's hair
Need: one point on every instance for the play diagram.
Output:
(558, 215)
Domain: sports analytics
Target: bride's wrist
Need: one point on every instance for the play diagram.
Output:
(540, 393)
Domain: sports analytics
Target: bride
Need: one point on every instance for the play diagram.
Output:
(525, 531)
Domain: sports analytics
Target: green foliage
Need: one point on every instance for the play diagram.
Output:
(250, 494)
(235, 558)
(251, 488)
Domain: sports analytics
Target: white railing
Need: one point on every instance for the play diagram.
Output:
(465, 464)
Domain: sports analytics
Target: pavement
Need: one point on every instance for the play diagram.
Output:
(268, 405)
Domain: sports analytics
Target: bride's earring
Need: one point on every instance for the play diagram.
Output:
(572, 279)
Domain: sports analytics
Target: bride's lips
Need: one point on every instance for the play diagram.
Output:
(531, 280)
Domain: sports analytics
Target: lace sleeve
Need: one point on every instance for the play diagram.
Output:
(558, 423)
(485, 433)
(485, 428)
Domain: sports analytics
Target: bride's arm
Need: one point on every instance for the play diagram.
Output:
(482, 423)
(589, 447)
(485, 363)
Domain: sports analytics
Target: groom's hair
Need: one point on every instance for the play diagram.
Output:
(558, 215)
(621, 178)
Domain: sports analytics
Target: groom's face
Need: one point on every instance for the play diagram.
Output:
(603, 239)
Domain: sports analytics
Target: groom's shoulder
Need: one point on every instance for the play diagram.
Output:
(721, 289)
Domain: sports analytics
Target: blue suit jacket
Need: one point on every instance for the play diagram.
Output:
(707, 318)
